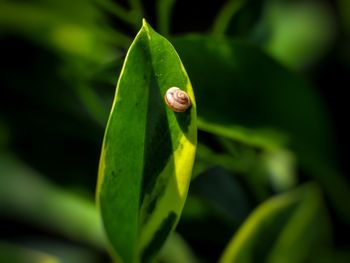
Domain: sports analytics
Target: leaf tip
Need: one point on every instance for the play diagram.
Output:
(144, 23)
(146, 27)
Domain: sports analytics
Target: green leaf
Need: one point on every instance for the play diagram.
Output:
(119, 11)
(250, 98)
(148, 150)
(300, 32)
(207, 158)
(176, 250)
(25, 194)
(223, 192)
(286, 228)
(79, 31)
(260, 170)
(225, 15)
(344, 9)
(17, 254)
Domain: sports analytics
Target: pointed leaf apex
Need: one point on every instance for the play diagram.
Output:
(144, 22)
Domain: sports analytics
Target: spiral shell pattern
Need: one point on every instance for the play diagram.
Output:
(177, 99)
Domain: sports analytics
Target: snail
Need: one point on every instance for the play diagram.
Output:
(177, 99)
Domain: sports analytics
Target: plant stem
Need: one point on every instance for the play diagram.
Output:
(225, 15)
(164, 10)
(119, 12)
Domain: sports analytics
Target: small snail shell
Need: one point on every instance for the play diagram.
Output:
(177, 99)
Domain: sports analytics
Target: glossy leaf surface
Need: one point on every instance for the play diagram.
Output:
(148, 150)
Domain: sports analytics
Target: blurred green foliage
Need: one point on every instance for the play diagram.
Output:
(264, 129)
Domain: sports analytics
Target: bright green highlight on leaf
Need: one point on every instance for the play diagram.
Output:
(293, 224)
(148, 150)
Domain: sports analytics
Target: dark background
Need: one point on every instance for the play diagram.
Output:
(44, 122)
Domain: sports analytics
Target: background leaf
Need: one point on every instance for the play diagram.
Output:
(251, 98)
(18, 254)
(299, 31)
(278, 228)
(26, 195)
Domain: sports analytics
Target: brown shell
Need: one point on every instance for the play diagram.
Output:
(177, 99)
